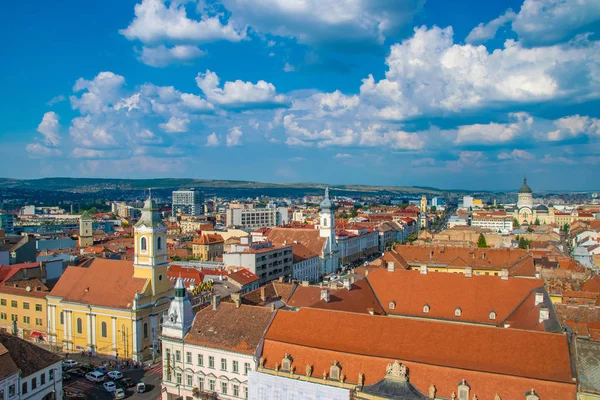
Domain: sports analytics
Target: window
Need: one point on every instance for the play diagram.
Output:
(2, 302)
(103, 329)
(62, 318)
(3, 315)
(201, 383)
(25, 305)
(51, 374)
(13, 303)
(43, 379)
(246, 392)
(392, 305)
(24, 388)
(236, 390)
(159, 243)
(79, 326)
(246, 368)
(223, 364)
(33, 383)
(200, 360)
(492, 315)
(334, 371)
(426, 308)
(188, 357)
(167, 355)
(25, 319)
(38, 307)
(224, 387)
(177, 355)
(145, 330)
(236, 367)
(11, 390)
(211, 362)
(178, 378)
(143, 244)
(38, 321)
(14, 317)
(189, 380)
(211, 385)
(457, 312)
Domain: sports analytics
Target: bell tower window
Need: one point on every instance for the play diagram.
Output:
(143, 244)
(159, 243)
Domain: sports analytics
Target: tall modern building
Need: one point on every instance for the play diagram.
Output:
(7, 222)
(253, 218)
(188, 202)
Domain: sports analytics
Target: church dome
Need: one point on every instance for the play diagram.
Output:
(525, 187)
(326, 203)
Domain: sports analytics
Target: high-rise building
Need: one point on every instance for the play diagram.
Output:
(7, 222)
(253, 218)
(188, 202)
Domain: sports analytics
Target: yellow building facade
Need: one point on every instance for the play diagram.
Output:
(115, 307)
(23, 308)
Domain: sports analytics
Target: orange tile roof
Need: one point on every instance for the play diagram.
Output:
(358, 300)
(242, 277)
(439, 353)
(189, 275)
(444, 293)
(308, 237)
(304, 296)
(209, 238)
(19, 288)
(301, 253)
(106, 283)
(592, 284)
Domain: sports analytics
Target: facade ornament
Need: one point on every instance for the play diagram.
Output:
(497, 397)
(432, 391)
(453, 396)
(308, 370)
(276, 366)
(475, 397)
(324, 375)
(342, 378)
(261, 362)
(397, 371)
(361, 379)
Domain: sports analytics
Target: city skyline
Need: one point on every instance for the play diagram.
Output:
(426, 93)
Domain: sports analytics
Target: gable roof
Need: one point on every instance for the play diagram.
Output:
(308, 237)
(26, 356)
(359, 299)
(189, 275)
(243, 277)
(106, 283)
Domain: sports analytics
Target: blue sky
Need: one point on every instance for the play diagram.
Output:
(390, 92)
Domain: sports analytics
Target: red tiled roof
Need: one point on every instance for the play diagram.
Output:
(357, 300)
(209, 238)
(8, 271)
(308, 237)
(188, 274)
(243, 277)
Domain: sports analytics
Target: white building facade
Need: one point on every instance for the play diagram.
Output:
(269, 387)
(187, 202)
(306, 270)
(254, 218)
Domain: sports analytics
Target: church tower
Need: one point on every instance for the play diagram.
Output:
(424, 203)
(86, 235)
(150, 247)
(327, 231)
(178, 320)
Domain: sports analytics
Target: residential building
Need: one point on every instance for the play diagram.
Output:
(17, 248)
(23, 310)
(7, 222)
(245, 280)
(495, 221)
(306, 264)
(190, 224)
(265, 259)
(113, 307)
(86, 231)
(388, 234)
(28, 371)
(208, 247)
(248, 217)
(187, 202)
(214, 355)
(356, 243)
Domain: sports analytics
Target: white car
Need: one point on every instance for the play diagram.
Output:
(95, 376)
(109, 386)
(69, 363)
(115, 375)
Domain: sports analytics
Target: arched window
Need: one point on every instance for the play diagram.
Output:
(457, 312)
(103, 329)
(79, 326)
(159, 243)
(492, 315)
(143, 243)
(426, 308)
(145, 330)
(324, 221)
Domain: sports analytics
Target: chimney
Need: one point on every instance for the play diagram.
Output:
(347, 283)
(423, 269)
(216, 299)
(366, 272)
(237, 299)
(281, 278)
(544, 314)
(504, 274)
(468, 272)
(263, 295)
(325, 295)
(391, 266)
(305, 283)
(539, 298)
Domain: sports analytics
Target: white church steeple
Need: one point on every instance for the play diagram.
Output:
(178, 320)
(327, 231)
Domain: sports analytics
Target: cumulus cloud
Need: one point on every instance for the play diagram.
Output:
(37, 150)
(162, 56)
(98, 94)
(342, 155)
(483, 32)
(212, 140)
(239, 93)
(335, 103)
(234, 137)
(346, 24)
(175, 125)
(50, 129)
(573, 126)
(154, 22)
(55, 100)
(516, 154)
(494, 132)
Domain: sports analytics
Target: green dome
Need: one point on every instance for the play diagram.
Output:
(525, 188)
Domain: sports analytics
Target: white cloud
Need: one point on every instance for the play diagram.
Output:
(516, 154)
(92, 134)
(429, 74)
(162, 56)
(239, 93)
(297, 159)
(234, 137)
(342, 155)
(90, 153)
(175, 125)
(467, 159)
(212, 140)
(154, 22)
(50, 129)
(574, 126)
(484, 32)
(37, 150)
(100, 93)
(549, 159)
(335, 103)
(494, 132)
(55, 100)
(148, 137)
(288, 67)
(315, 22)
(379, 135)
(195, 103)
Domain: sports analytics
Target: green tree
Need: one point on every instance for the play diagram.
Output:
(516, 223)
(481, 243)
(566, 228)
(537, 222)
(433, 208)
(529, 229)
(353, 214)
(175, 258)
(524, 243)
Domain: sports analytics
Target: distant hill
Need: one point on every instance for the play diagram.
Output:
(94, 184)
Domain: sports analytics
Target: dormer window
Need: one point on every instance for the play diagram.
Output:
(532, 395)
(335, 371)
(286, 363)
(492, 315)
(392, 305)
(463, 390)
(426, 308)
(457, 312)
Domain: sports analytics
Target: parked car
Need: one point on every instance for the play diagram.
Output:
(86, 367)
(77, 371)
(69, 363)
(95, 376)
(126, 383)
(109, 386)
(141, 387)
(102, 370)
(119, 394)
(115, 375)
(67, 377)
